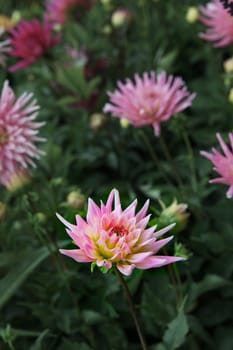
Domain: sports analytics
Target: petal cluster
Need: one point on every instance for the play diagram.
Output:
(111, 236)
(18, 132)
(223, 163)
(150, 100)
(219, 24)
(58, 10)
(30, 40)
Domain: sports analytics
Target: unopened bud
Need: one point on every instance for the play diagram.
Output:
(192, 14)
(97, 121)
(107, 29)
(120, 17)
(40, 217)
(18, 180)
(174, 213)
(228, 65)
(15, 17)
(76, 200)
(230, 96)
(124, 123)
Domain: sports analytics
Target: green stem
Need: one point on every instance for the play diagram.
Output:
(170, 161)
(191, 158)
(132, 308)
(154, 155)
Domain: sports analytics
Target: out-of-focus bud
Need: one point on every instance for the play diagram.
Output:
(107, 29)
(76, 200)
(106, 2)
(15, 17)
(228, 65)
(181, 250)
(40, 217)
(97, 121)
(121, 17)
(57, 181)
(192, 14)
(57, 27)
(5, 23)
(230, 96)
(124, 123)
(174, 213)
(3, 209)
(18, 180)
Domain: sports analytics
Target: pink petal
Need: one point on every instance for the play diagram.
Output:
(76, 254)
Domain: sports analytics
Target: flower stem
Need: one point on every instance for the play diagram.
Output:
(170, 161)
(154, 155)
(191, 158)
(132, 308)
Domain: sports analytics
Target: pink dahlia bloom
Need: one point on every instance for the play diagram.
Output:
(219, 24)
(4, 49)
(223, 163)
(18, 132)
(58, 10)
(116, 237)
(30, 40)
(151, 100)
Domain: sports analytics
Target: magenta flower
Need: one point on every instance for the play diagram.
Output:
(18, 132)
(223, 164)
(150, 101)
(115, 237)
(58, 10)
(219, 24)
(30, 40)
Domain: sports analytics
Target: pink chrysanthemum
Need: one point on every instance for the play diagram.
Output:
(219, 23)
(30, 40)
(58, 10)
(151, 100)
(4, 49)
(223, 164)
(18, 132)
(116, 237)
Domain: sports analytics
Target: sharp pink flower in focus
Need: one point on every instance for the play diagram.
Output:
(30, 40)
(18, 133)
(4, 49)
(115, 237)
(223, 163)
(58, 10)
(219, 24)
(151, 100)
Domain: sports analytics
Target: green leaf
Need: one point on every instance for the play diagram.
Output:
(176, 332)
(13, 280)
(38, 343)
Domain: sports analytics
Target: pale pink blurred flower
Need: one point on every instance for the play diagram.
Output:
(30, 40)
(58, 10)
(115, 237)
(151, 100)
(18, 132)
(219, 24)
(4, 50)
(223, 163)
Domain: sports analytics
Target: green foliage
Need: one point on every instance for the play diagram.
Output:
(49, 302)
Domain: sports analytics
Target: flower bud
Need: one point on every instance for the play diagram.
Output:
(230, 96)
(124, 123)
(40, 217)
(97, 121)
(192, 14)
(15, 17)
(76, 200)
(3, 209)
(107, 29)
(228, 65)
(18, 180)
(174, 213)
(120, 17)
